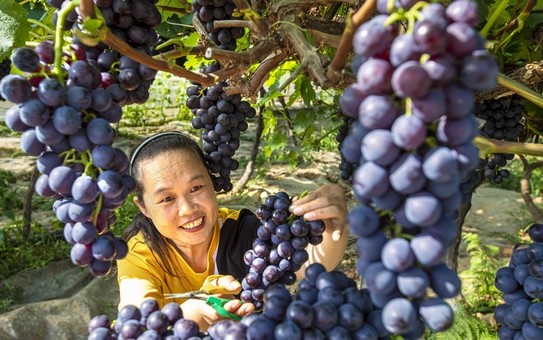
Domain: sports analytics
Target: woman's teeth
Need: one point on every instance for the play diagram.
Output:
(193, 224)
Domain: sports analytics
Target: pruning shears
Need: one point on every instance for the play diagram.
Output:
(206, 292)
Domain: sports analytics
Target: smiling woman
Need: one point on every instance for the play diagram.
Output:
(181, 236)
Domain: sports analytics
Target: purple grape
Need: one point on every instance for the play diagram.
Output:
(436, 313)
(25, 59)
(399, 316)
(373, 37)
(377, 112)
(479, 71)
(15, 88)
(429, 35)
(411, 80)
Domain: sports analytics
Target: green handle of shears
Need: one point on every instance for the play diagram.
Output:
(218, 305)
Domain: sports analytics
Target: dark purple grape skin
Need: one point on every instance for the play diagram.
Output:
(535, 231)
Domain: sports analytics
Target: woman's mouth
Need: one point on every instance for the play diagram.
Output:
(194, 225)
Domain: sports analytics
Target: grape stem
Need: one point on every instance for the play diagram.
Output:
(308, 53)
(274, 8)
(234, 23)
(97, 208)
(323, 38)
(59, 38)
(179, 52)
(519, 21)
(261, 49)
(260, 27)
(490, 145)
(333, 73)
(262, 72)
(520, 89)
(42, 25)
(86, 160)
(125, 49)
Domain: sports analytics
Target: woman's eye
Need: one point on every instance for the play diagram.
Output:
(196, 188)
(167, 199)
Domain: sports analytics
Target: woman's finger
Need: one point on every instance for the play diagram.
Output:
(232, 305)
(229, 283)
(245, 309)
(303, 208)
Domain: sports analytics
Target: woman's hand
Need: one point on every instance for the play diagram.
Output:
(327, 203)
(204, 315)
(234, 306)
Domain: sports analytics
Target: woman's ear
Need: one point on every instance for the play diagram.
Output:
(141, 206)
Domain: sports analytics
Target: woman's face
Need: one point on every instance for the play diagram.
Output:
(179, 198)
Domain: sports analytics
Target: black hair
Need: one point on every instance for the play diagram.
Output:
(148, 149)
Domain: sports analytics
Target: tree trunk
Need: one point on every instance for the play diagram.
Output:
(27, 205)
(451, 259)
(242, 182)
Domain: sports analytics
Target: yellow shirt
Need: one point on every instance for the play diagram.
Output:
(141, 275)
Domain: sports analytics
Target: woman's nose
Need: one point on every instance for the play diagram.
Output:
(186, 206)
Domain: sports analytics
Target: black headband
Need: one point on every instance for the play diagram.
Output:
(147, 141)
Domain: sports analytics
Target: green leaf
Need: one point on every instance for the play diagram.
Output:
(269, 122)
(192, 39)
(294, 95)
(176, 6)
(175, 26)
(534, 19)
(307, 91)
(504, 16)
(193, 62)
(270, 95)
(14, 28)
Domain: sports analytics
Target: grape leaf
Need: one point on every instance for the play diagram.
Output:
(307, 91)
(504, 17)
(534, 19)
(269, 122)
(174, 26)
(14, 28)
(168, 8)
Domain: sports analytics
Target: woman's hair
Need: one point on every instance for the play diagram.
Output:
(149, 149)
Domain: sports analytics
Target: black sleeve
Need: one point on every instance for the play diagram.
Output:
(237, 236)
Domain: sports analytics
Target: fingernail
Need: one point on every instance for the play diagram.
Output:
(336, 235)
(234, 284)
(291, 208)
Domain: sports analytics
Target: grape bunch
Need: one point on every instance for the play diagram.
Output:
(521, 316)
(66, 123)
(502, 118)
(126, 80)
(147, 322)
(346, 168)
(328, 305)
(413, 101)
(222, 117)
(5, 69)
(208, 11)
(280, 249)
